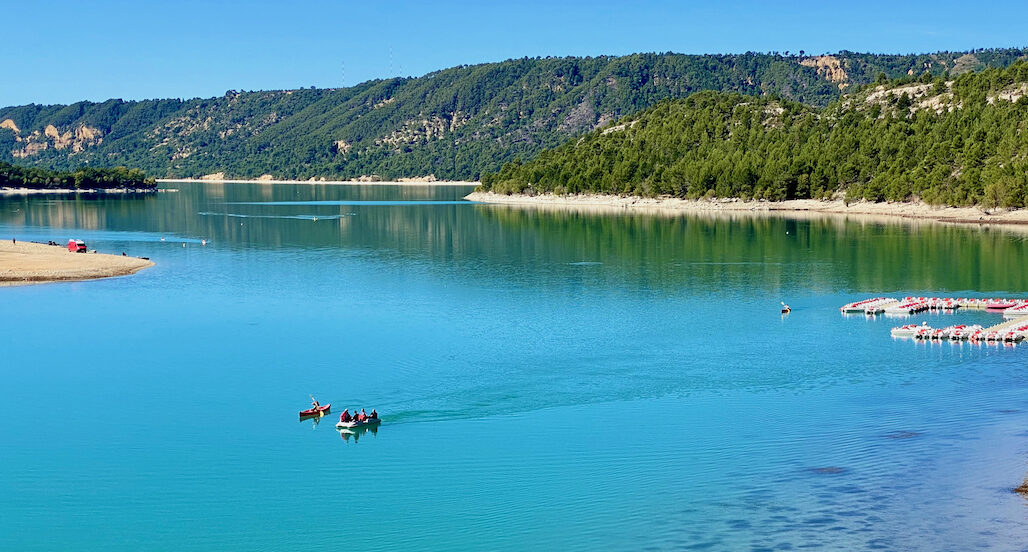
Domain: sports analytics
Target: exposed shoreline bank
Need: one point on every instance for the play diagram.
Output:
(905, 210)
(25, 263)
(407, 182)
(62, 191)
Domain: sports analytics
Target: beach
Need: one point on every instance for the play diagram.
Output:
(400, 182)
(904, 210)
(35, 263)
(65, 191)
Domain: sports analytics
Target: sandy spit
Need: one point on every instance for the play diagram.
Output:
(906, 210)
(412, 182)
(35, 263)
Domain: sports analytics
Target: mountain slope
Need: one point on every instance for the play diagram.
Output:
(955, 142)
(453, 123)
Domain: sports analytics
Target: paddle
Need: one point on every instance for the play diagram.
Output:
(315, 404)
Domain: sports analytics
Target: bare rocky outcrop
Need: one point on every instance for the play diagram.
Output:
(619, 128)
(924, 97)
(965, 63)
(829, 67)
(77, 139)
(9, 125)
(426, 178)
(581, 117)
(429, 128)
(1010, 94)
(914, 91)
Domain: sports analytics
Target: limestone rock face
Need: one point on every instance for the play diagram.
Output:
(830, 67)
(76, 139)
(9, 124)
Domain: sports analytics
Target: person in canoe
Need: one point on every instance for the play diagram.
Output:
(314, 404)
(362, 417)
(345, 416)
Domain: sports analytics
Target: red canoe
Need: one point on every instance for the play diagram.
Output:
(319, 411)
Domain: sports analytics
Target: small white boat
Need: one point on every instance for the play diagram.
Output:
(960, 334)
(908, 330)
(354, 424)
(907, 307)
(863, 306)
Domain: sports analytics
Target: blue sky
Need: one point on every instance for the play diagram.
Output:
(63, 51)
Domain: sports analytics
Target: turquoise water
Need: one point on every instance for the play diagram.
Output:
(547, 380)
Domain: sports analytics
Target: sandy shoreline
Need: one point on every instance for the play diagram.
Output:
(24, 263)
(32, 191)
(906, 210)
(335, 182)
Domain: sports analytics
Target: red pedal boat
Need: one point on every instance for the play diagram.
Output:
(319, 411)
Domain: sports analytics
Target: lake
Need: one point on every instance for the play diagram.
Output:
(547, 379)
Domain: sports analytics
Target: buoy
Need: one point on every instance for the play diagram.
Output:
(183, 244)
(203, 242)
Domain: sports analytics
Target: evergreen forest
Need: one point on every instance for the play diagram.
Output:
(85, 178)
(953, 141)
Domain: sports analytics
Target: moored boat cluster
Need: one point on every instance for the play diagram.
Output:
(1010, 331)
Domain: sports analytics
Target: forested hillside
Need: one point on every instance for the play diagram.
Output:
(957, 142)
(453, 123)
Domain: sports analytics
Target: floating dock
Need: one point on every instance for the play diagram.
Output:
(1014, 329)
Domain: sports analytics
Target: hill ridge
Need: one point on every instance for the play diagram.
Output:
(453, 123)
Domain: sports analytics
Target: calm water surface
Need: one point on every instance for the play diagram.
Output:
(547, 380)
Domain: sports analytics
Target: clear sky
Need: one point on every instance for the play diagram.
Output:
(63, 51)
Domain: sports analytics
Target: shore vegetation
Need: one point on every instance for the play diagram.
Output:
(85, 178)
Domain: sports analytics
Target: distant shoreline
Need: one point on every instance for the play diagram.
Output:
(24, 263)
(31, 191)
(334, 182)
(903, 210)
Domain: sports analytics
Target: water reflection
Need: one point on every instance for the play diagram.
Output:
(355, 433)
(671, 251)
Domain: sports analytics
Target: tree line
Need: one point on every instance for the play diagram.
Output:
(85, 178)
